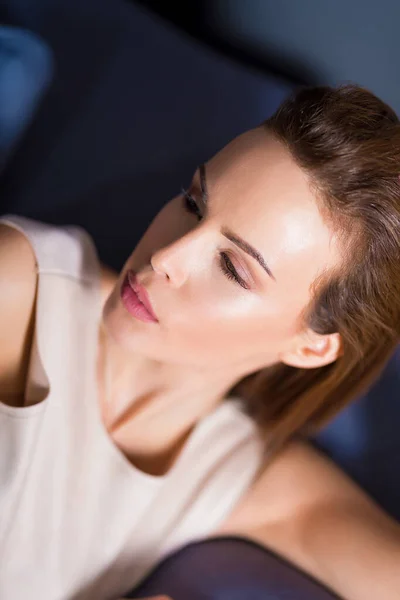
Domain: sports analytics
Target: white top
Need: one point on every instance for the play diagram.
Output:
(77, 520)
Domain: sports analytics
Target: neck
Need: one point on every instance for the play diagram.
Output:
(156, 404)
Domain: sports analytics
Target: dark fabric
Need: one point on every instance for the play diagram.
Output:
(229, 569)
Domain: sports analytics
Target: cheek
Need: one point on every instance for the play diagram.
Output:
(239, 324)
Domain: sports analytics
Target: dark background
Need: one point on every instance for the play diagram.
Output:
(313, 40)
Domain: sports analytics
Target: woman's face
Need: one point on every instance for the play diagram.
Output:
(229, 266)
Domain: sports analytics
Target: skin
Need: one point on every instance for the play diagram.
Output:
(156, 380)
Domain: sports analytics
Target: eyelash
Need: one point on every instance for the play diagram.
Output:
(225, 264)
(190, 204)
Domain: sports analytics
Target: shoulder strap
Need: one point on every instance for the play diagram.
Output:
(63, 250)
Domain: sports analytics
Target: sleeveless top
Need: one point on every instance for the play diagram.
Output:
(77, 519)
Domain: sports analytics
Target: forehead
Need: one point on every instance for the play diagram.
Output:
(260, 193)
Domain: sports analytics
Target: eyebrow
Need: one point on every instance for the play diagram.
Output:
(234, 238)
(203, 183)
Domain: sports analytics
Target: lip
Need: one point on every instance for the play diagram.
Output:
(136, 300)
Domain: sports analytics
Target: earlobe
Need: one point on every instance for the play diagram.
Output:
(312, 350)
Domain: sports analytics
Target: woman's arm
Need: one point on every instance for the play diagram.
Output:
(18, 281)
(304, 508)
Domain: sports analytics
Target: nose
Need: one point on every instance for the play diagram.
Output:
(182, 258)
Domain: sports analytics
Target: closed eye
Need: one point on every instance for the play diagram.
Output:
(190, 204)
(229, 270)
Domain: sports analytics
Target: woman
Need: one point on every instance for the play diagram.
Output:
(274, 278)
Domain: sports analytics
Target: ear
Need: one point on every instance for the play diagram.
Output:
(311, 350)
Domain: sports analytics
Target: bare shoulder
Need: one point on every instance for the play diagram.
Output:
(303, 507)
(18, 282)
(298, 485)
(297, 478)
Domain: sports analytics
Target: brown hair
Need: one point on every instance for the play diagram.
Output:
(348, 142)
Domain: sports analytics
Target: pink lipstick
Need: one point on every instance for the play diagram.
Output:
(136, 299)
